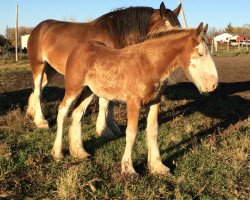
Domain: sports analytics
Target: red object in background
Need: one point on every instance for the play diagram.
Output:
(242, 38)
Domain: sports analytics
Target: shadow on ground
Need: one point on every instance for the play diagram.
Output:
(223, 104)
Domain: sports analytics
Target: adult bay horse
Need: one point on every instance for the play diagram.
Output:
(51, 42)
(135, 74)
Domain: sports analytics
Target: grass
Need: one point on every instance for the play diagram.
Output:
(9, 64)
(204, 141)
(232, 52)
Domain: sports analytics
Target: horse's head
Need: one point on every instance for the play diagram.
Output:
(200, 67)
(164, 18)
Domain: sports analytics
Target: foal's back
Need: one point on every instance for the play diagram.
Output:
(110, 73)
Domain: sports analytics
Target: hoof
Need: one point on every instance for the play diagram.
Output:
(80, 154)
(105, 133)
(160, 170)
(42, 124)
(30, 113)
(57, 156)
(130, 176)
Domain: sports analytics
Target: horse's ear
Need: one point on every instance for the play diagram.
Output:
(205, 29)
(177, 10)
(199, 29)
(163, 9)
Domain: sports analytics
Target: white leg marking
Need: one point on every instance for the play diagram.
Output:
(101, 125)
(35, 104)
(154, 159)
(127, 164)
(57, 147)
(75, 135)
(133, 112)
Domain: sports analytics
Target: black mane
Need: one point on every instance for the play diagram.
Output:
(124, 21)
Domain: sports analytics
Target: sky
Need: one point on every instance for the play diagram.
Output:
(217, 13)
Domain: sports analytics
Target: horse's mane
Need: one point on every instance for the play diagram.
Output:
(174, 33)
(133, 20)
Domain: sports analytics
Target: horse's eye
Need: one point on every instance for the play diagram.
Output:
(200, 54)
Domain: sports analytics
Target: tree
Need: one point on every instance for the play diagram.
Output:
(21, 31)
(229, 28)
(213, 31)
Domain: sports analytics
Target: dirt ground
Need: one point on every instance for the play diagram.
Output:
(234, 74)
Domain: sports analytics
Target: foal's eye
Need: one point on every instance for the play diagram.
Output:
(200, 54)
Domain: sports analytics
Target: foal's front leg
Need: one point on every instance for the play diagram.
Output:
(133, 111)
(75, 130)
(154, 159)
(62, 113)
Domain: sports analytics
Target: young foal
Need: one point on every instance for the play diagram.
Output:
(135, 74)
(51, 42)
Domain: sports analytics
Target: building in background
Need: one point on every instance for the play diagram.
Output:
(24, 41)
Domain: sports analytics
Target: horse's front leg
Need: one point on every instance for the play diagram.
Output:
(133, 111)
(154, 159)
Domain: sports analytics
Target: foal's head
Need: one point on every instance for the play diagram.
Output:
(200, 67)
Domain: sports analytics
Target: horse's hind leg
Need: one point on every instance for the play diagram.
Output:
(110, 119)
(101, 124)
(75, 133)
(105, 125)
(41, 76)
(34, 106)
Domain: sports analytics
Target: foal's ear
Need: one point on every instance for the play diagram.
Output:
(177, 10)
(199, 29)
(162, 9)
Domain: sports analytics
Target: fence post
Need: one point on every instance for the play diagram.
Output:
(16, 33)
(212, 46)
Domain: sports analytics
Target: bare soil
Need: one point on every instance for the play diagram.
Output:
(234, 75)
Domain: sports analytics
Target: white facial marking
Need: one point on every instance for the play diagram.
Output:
(202, 70)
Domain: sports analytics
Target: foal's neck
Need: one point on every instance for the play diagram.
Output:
(166, 54)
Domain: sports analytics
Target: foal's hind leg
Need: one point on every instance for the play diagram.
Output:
(75, 133)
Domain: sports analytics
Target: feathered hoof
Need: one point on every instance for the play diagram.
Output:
(106, 132)
(57, 156)
(160, 169)
(79, 154)
(42, 124)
